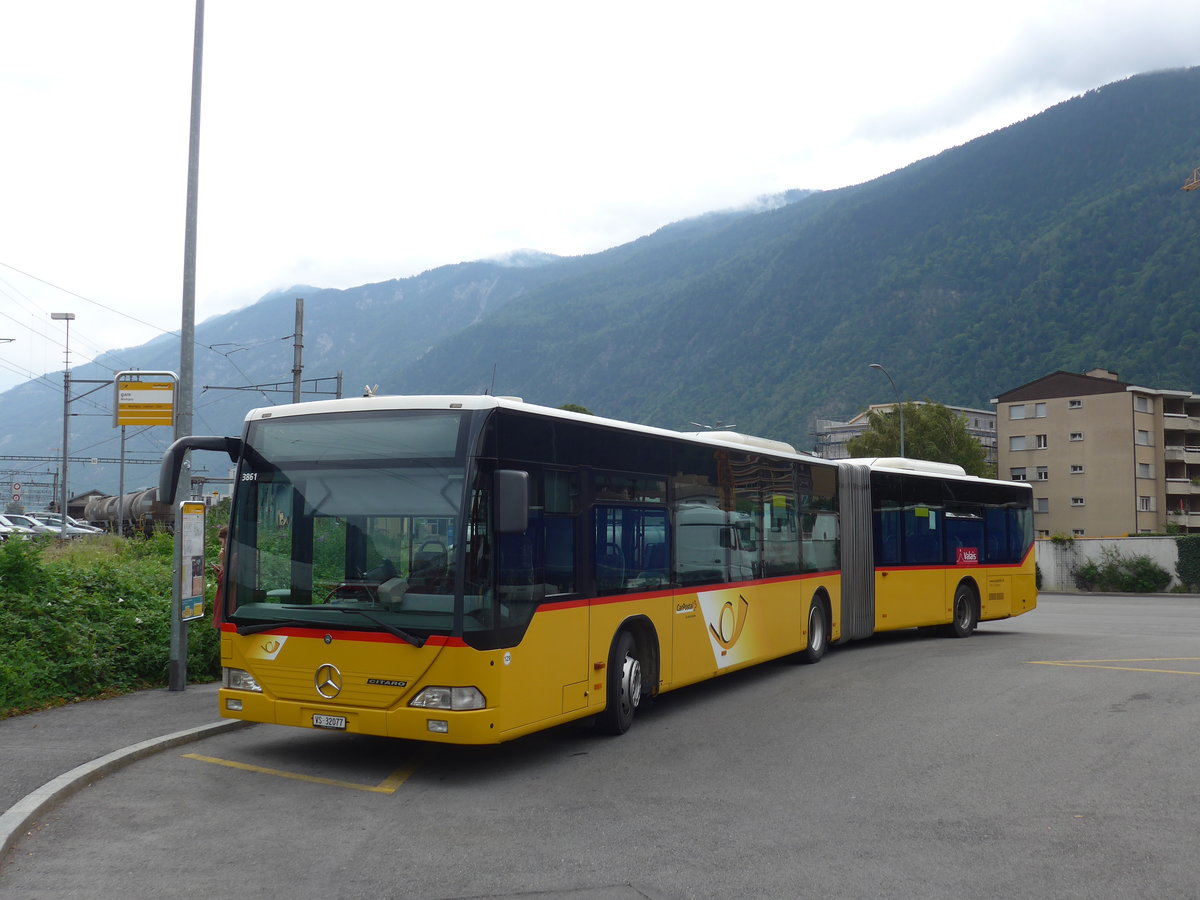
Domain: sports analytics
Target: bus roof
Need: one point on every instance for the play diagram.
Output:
(730, 439)
(910, 465)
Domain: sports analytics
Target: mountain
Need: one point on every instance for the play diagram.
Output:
(1060, 242)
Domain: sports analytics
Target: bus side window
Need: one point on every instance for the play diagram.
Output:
(922, 536)
(629, 550)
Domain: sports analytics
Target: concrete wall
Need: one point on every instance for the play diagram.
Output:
(1058, 561)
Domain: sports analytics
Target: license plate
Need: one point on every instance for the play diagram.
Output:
(336, 722)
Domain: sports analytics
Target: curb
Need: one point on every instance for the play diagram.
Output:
(22, 813)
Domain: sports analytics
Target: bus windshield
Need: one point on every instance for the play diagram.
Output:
(353, 523)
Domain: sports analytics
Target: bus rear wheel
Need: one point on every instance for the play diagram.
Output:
(818, 633)
(623, 692)
(965, 617)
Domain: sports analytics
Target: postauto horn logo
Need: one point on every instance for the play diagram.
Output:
(726, 614)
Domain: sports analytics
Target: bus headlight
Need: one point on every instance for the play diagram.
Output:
(449, 698)
(239, 680)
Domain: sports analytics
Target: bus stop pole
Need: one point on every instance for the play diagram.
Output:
(177, 671)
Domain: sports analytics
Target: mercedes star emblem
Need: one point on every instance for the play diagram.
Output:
(328, 681)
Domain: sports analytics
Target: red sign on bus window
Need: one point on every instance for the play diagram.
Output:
(967, 556)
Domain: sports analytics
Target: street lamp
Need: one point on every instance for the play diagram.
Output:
(62, 503)
(899, 403)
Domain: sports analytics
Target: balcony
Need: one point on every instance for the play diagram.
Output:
(1180, 422)
(1177, 453)
(1182, 487)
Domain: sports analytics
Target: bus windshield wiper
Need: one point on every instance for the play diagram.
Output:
(309, 623)
(267, 626)
(386, 626)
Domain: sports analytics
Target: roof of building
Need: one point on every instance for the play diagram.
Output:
(1066, 384)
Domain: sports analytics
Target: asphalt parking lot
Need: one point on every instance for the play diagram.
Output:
(1052, 755)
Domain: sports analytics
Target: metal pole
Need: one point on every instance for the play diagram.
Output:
(177, 665)
(62, 502)
(298, 353)
(121, 489)
(899, 402)
(187, 330)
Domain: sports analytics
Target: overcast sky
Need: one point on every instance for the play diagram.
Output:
(350, 142)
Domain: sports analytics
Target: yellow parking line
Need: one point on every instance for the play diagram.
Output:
(1104, 664)
(389, 785)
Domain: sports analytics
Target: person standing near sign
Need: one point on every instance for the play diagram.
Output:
(219, 574)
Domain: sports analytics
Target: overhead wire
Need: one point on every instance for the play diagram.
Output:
(47, 382)
(210, 347)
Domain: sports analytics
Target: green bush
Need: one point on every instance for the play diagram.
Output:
(90, 618)
(1122, 574)
(1187, 569)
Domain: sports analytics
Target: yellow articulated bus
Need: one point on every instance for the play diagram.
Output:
(471, 569)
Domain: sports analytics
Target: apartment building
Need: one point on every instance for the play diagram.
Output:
(1105, 457)
(831, 436)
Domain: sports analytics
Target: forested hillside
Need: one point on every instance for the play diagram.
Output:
(1063, 241)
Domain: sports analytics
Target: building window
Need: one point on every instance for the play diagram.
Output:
(1017, 474)
(1077, 435)
(1042, 442)
(1143, 438)
(1076, 470)
(1145, 470)
(1076, 532)
(1074, 404)
(1142, 404)
(1043, 473)
(1023, 411)
(1016, 442)
(1077, 501)
(1041, 504)
(1145, 504)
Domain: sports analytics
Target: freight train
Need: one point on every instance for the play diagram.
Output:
(141, 509)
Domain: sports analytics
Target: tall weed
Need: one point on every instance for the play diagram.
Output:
(1122, 574)
(89, 618)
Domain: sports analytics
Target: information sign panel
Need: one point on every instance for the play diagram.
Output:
(144, 398)
(191, 563)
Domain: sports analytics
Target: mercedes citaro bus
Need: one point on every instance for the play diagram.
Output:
(469, 569)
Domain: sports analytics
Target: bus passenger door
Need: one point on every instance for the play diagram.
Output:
(547, 671)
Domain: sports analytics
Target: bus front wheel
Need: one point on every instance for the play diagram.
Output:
(624, 685)
(965, 616)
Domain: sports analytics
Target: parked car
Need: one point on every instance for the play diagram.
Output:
(73, 525)
(37, 526)
(13, 529)
(24, 521)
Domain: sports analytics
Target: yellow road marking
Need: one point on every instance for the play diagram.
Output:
(1104, 664)
(389, 785)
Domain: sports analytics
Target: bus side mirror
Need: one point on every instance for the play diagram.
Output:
(511, 491)
(168, 472)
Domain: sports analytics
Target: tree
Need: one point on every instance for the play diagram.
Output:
(931, 431)
(575, 407)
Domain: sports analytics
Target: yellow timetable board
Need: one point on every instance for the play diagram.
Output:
(145, 403)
